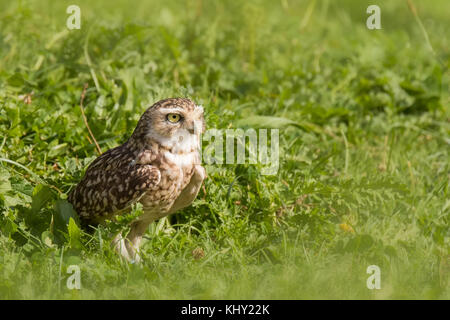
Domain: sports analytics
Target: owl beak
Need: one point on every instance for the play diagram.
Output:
(190, 127)
(193, 126)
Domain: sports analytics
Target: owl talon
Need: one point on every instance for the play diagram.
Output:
(125, 249)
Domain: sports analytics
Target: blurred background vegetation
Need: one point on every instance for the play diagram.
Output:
(364, 139)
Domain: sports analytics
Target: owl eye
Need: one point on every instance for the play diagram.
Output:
(173, 117)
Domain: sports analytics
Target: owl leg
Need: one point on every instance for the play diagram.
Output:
(119, 245)
(134, 238)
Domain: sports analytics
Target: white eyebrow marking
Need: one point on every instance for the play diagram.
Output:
(199, 108)
(171, 109)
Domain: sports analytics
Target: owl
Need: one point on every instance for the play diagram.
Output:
(159, 166)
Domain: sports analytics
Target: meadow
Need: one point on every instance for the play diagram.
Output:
(364, 123)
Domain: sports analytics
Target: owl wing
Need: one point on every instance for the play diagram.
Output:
(113, 182)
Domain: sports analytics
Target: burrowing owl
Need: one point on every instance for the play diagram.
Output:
(159, 166)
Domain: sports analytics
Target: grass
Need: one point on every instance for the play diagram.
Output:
(364, 147)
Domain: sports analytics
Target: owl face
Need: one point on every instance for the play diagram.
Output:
(173, 122)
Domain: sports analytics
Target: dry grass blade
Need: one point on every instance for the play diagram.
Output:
(419, 22)
(83, 94)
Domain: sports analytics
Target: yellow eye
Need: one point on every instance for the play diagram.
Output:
(173, 117)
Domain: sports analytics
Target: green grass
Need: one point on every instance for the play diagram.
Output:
(364, 166)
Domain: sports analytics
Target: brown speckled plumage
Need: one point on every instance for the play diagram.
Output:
(159, 166)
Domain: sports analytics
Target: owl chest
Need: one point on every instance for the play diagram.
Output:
(176, 173)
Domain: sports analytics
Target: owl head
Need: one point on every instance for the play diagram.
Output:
(171, 122)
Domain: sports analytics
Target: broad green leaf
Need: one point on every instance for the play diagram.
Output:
(41, 195)
(74, 234)
(65, 211)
